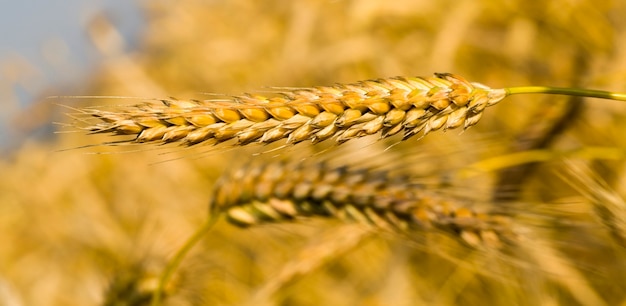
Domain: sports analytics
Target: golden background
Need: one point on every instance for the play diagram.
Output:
(73, 223)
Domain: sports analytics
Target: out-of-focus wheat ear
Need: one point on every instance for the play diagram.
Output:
(281, 192)
(133, 286)
(608, 205)
(558, 267)
(411, 105)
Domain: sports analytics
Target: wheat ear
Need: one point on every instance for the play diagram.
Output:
(132, 286)
(282, 191)
(345, 111)
(608, 205)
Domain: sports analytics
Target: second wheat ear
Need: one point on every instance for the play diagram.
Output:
(408, 105)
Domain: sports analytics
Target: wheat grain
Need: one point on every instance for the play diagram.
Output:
(282, 191)
(345, 111)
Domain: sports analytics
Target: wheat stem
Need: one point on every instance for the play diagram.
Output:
(532, 156)
(580, 92)
(179, 256)
(330, 245)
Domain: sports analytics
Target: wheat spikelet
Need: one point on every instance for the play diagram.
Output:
(345, 111)
(282, 191)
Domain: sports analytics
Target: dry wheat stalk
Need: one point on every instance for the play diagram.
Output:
(281, 191)
(327, 246)
(403, 104)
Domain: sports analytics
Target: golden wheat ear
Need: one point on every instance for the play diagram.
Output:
(408, 105)
(284, 192)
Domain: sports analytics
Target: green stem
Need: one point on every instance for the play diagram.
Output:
(541, 155)
(178, 258)
(589, 93)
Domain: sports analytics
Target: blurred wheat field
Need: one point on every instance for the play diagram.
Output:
(78, 228)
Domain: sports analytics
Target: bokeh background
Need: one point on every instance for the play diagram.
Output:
(78, 227)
